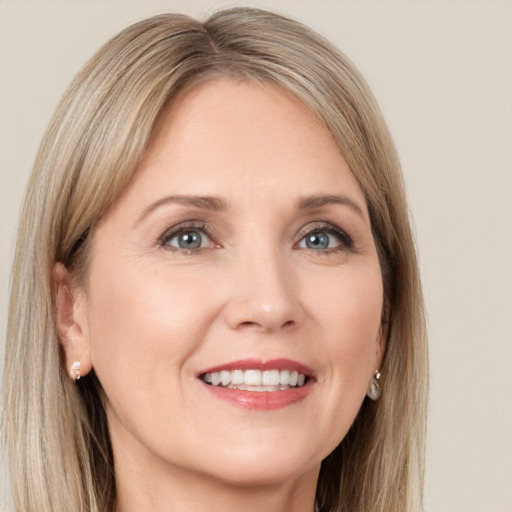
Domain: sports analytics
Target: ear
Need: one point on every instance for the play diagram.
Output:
(72, 324)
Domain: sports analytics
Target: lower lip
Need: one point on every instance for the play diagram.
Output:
(261, 400)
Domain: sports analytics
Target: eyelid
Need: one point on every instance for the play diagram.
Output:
(346, 241)
(189, 225)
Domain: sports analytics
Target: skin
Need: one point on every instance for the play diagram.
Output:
(152, 315)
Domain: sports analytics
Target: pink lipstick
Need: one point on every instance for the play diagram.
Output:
(258, 384)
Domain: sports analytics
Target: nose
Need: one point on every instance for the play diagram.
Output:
(265, 294)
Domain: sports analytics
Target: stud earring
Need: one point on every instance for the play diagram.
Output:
(75, 371)
(374, 389)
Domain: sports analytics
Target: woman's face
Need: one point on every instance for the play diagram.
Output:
(242, 252)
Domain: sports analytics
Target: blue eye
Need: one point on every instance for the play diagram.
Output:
(326, 239)
(317, 241)
(187, 239)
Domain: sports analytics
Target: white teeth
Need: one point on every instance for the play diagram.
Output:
(270, 378)
(284, 377)
(237, 377)
(252, 377)
(225, 377)
(256, 380)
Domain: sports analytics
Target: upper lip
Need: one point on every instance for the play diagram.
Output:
(260, 364)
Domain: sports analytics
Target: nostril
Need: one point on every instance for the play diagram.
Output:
(258, 326)
(245, 325)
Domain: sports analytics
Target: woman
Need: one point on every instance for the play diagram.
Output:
(214, 267)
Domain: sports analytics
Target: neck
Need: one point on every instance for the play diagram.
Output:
(187, 491)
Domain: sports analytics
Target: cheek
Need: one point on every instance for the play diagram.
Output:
(350, 310)
(361, 312)
(350, 304)
(139, 318)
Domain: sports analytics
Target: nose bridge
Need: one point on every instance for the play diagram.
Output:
(264, 294)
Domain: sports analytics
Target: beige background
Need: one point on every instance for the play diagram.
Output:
(442, 71)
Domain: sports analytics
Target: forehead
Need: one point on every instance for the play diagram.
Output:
(244, 139)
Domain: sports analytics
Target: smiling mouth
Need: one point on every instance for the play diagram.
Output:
(256, 380)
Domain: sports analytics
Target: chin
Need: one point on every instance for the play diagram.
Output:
(263, 462)
(277, 471)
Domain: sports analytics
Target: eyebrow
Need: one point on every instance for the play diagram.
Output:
(311, 202)
(216, 204)
(202, 202)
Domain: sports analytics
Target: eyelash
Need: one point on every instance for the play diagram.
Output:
(183, 228)
(346, 241)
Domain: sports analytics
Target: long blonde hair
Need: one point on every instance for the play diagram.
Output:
(55, 431)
